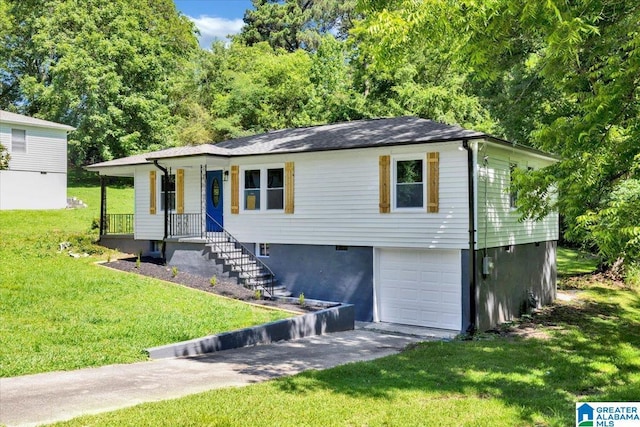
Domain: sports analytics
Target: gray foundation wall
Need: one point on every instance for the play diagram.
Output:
(518, 272)
(324, 273)
(126, 243)
(194, 258)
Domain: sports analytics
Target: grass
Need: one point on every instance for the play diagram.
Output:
(61, 313)
(592, 354)
(572, 262)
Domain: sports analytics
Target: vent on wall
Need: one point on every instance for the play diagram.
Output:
(342, 248)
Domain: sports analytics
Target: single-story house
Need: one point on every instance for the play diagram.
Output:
(37, 173)
(411, 220)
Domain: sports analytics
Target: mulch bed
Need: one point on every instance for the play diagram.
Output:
(228, 287)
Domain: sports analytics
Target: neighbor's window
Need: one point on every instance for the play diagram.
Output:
(169, 187)
(263, 250)
(252, 189)
(263, 189)
(409, 183)
(18, 141)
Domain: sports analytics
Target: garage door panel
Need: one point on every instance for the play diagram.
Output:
(420, 287)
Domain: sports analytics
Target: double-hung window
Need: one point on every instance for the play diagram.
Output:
(409, 183)
(18, 141)
(263, 189)
(169, 187)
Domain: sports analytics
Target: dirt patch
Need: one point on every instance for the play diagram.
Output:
(153, 267)
(567, 309)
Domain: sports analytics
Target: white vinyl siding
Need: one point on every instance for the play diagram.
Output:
(46, 149)
(498, 223)
(337, 202)
(37, 173)
(147, 226)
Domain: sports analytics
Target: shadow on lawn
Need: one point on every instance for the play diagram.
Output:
(593, 356)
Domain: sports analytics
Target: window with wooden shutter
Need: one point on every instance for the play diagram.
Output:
(152, 192)
(180, 191)
(433, 180)
(235, 189)
(385, 190)
(289, 172)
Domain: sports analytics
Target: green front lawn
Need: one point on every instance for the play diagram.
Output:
(62, 313)
(591, 353)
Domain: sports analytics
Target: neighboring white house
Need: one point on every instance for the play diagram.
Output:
(37, 173)
(410, 220)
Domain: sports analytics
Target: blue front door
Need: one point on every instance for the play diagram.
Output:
(214, 201)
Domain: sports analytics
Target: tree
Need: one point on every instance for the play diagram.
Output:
(295, 24)
(5, 157)
(102, 67)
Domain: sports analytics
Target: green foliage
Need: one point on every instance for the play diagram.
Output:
(615, 228)
(5, 157)
(257, 294)
(213, 281)
(99, 66)
(295, 24)
(174, 271)
(301, 299)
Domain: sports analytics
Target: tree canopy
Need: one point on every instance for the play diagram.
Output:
(101, 67)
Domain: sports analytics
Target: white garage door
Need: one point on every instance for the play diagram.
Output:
(420, 287)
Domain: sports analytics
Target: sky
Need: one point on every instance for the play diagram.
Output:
(215, 19)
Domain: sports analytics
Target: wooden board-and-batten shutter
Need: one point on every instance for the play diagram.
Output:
(385, 189)
(152, 192)
(180, 191)
(433, 182)
(289, 173)
(235, 189)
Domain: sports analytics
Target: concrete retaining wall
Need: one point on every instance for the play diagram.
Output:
(334, 319)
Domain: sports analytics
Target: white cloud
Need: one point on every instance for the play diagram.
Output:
(214, 28)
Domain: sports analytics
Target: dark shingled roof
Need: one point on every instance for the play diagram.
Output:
(337, 136)
(356, 134)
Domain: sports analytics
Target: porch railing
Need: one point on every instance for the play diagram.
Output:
(118, 224)
(189, 224)
(255, 272)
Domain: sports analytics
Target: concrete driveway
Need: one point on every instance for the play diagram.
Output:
(57, 396)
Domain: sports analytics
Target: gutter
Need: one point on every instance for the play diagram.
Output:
(165, 177)
(472, 233)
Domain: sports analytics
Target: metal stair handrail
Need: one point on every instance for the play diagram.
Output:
(229, 238)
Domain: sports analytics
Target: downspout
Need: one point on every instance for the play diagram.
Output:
(472, 234)
(165, 178)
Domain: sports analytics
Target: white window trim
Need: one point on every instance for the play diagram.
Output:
(394, 175)
(259, 253)
(26, 142)
(263, 188)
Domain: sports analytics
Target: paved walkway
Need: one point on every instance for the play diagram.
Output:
(45, 398)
